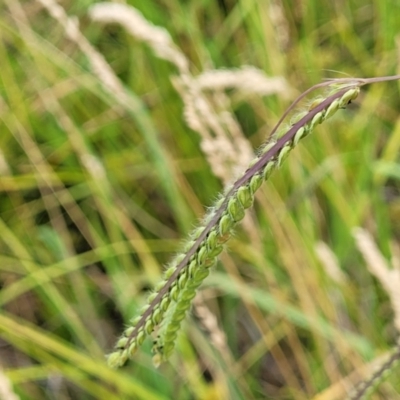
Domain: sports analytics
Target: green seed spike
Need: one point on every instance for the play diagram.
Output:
(207, 240)
(227, 220)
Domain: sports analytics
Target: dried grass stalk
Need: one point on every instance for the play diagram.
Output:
(379, 267)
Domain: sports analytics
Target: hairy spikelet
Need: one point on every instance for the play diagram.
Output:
(189, 269)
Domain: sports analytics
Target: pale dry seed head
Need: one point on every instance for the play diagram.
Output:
(225, 146)
(330, 263)
(139, 27)
(6, 390)
(94, 166)
(100, 67)
(247, 79)
(379, 267)
(280, 23)
(210, 323)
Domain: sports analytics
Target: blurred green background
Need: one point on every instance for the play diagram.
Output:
(100, 181)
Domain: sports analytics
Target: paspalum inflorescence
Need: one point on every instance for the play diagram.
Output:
(168, 304)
